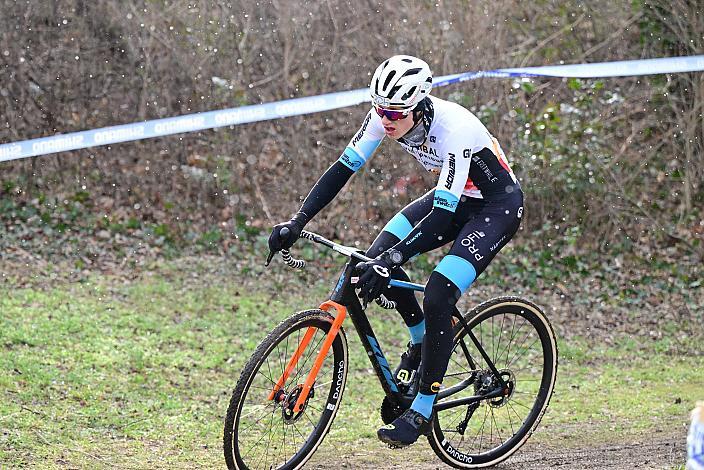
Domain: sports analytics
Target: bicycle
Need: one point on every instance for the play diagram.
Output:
(283, 404)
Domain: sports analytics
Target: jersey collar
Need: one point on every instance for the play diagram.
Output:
(418, 133)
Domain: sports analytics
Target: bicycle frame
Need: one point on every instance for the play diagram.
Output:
(344, 300)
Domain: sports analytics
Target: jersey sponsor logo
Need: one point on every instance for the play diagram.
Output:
(351, 163)
(468, 242)
(432, 139)
(520, 212)
(415, 237)
(485, 168)
(466, 153)
(428, 150)
(359, 135)
(451, 172)
(440, 201)
(496, 245)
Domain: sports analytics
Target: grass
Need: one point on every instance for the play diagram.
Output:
(137, 374)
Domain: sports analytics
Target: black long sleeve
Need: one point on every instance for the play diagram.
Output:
(324, 191)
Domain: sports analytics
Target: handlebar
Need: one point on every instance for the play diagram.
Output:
(345, 250)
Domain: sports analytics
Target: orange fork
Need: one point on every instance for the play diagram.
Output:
(318, 363)
(293, 361)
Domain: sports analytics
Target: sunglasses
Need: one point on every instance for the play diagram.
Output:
(392, 115)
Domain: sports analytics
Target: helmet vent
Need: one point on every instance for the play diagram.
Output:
(409, 94)
(407, 60)
(394, 90)
(388, 79)
(411, 72)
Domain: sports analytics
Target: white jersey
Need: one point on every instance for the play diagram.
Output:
(458, 148)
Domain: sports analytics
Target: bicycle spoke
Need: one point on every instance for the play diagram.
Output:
(481, 438)
(521, 404)
(299, 431)
(283, 447)
(309, 420)
(260, 439)
(498, 342)
(460, 365)
(510, 341)
(321, 385)
(498, 433)
(510, 407)
(271, 403)
(268, 377)
(281, 355)
(457, 374)
(257, 421)
(519, 345)
(517, 356)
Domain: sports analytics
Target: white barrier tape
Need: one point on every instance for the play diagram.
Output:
(623, 68)
(313, 104)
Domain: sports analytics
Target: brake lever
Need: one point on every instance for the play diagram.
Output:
(283, 233)
(269, 258)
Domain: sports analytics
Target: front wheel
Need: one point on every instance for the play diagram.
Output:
(262, 432)
(518, 338)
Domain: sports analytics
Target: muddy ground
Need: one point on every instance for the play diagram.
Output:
(661, 451)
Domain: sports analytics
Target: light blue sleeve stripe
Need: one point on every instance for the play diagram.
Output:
(399, 226)
(352, 159)
(458, 270)
(417, 332)
(445, 200)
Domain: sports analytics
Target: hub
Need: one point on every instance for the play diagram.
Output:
(487, 382)
(510, 381)
(288, 401)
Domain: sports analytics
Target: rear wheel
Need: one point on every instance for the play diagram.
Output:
(264, 434)
(519, 340)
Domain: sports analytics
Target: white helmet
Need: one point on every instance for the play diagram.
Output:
(401, 81)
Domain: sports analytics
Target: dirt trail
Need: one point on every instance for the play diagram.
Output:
(661, 452)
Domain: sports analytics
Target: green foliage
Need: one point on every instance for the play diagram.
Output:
(210, 238)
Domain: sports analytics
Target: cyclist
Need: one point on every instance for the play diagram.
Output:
(476, 206)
